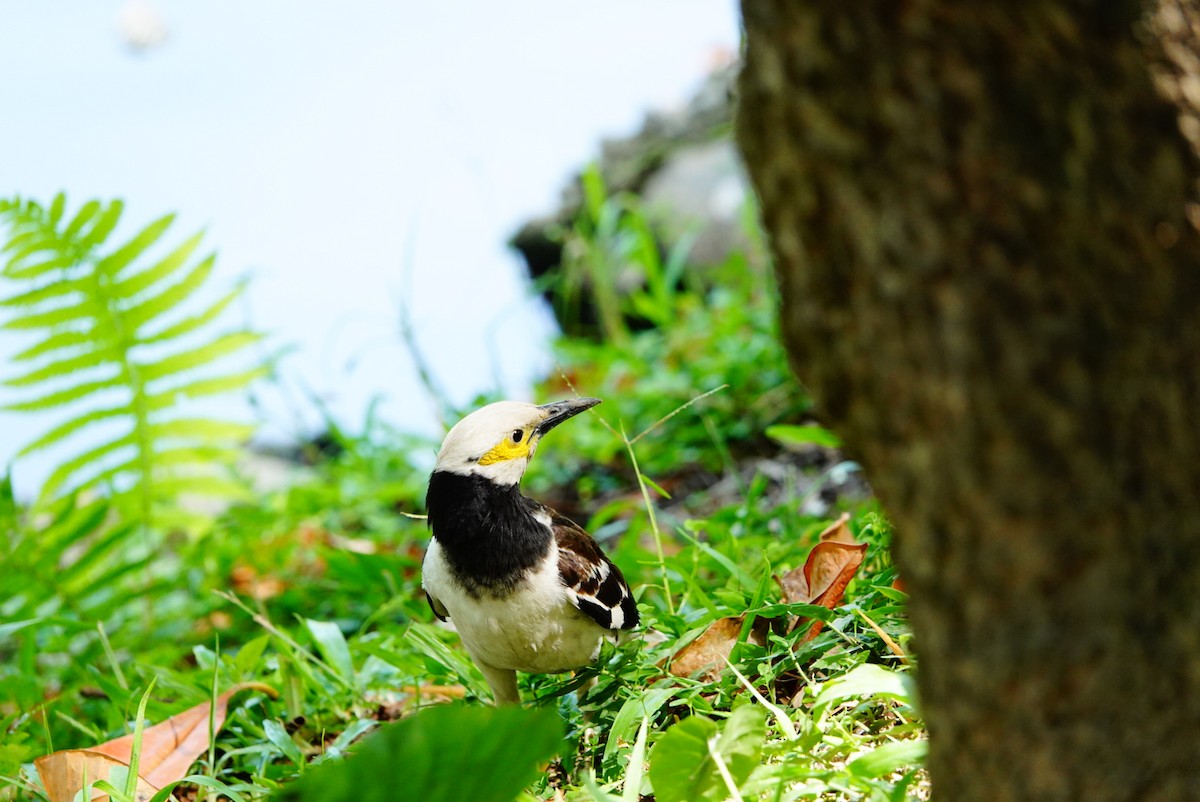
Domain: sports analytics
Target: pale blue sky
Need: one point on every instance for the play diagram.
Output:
(345, 154)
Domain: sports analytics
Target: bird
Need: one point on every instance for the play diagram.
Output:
(526, 588)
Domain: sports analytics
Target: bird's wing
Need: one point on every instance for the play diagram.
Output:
(597, 587)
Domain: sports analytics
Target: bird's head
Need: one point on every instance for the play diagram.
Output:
(497, 441)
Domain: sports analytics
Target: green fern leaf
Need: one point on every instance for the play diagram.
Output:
(59, 478)
(201, 429)
(81, 219)
(79, 362)
(55, 342)
(55, 290)
(117, 261)
(57, 207)
(65, 396)
(92, 306)
(103, 226)
(190, 324)
(213, 386)
(170, 297)
(54, 317)
(18, 270)
(139, 282)
(187, 360)
(68, 428)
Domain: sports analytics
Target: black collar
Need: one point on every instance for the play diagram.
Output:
(487, 531)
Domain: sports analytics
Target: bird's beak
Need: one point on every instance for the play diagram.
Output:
(560, 411)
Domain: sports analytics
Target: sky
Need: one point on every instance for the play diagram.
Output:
(351, 159)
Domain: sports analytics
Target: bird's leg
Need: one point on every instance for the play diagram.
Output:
(503, 682)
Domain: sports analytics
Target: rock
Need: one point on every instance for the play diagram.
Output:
(686, 171)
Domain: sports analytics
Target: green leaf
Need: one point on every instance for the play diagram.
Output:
(213, 386)
(139, 282)
(103, 226)
(632, 711)
(889, 758)
(333, 647)
(67, 366)
(177, 363)
(16, 270)
(211, 486)
(81, 219)
(80, 310)
(866, 680)
(280, 738)
(64, 472)
(200, 429)
(66, 396)
(64, 430)
(190, 324)
(51, 290)
(115, 262)
(741, 740)
(170, 297)
(57, 207)
(681, 769)
(446, 753)
(803, 436)
(10, 628)
(55, 342)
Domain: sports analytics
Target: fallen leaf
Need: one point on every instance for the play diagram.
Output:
(709, 651)
(839, 531)
(169, 749)
(64, 774)
(823, 578)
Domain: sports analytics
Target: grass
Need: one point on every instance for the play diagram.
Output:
(314, 591)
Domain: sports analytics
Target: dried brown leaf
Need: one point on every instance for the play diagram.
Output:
(64, 773)
(823, 578)
(708, 652)
(839, 531)
(169, 749)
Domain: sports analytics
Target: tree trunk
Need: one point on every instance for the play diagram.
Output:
(983, 216)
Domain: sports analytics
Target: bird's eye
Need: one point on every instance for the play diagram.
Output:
(517, 435)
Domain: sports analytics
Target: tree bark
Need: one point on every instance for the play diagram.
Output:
(983, 217)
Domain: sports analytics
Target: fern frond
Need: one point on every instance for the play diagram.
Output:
(121, 349)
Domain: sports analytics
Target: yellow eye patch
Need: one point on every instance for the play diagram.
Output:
(506, 450)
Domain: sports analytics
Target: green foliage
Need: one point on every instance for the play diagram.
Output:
(123, 345)
(700, 330)
(692, 762)
(444, 754)
(314, 589)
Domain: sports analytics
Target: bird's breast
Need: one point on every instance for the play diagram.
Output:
(533, 627)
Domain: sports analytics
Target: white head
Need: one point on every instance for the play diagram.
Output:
(498, 441)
